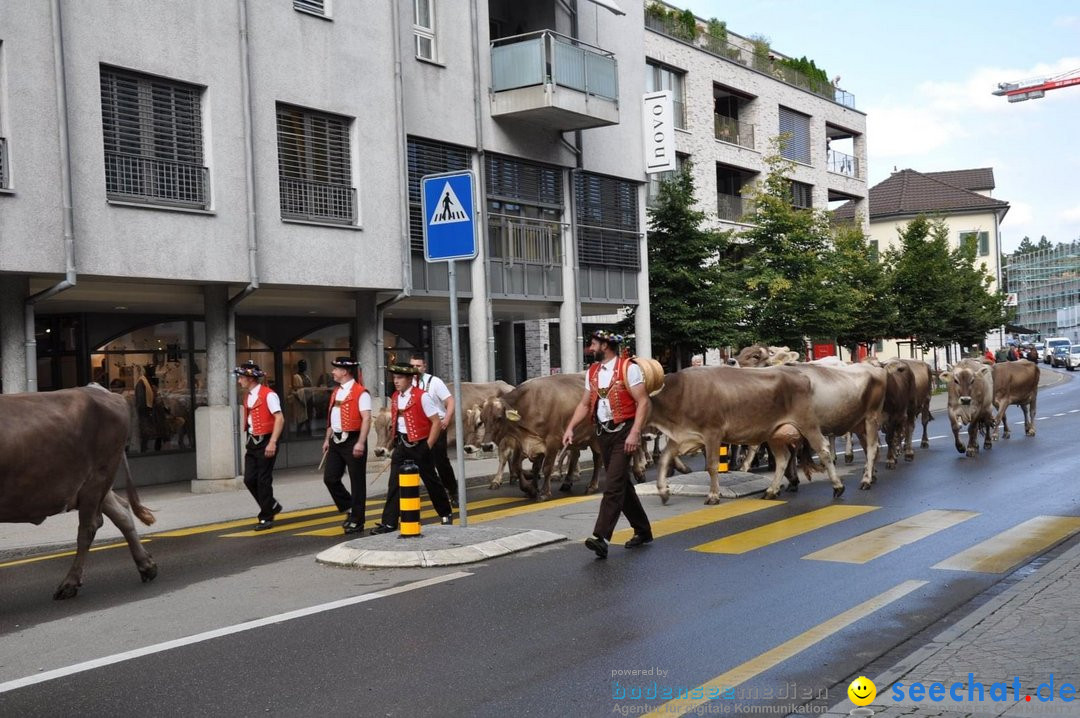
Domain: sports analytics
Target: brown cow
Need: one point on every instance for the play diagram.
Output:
(1016, 382)
(901, 405)
(761, 355)
(530, 421)
(60, 451)
(971, 402)
(709, 406)
(924, 386)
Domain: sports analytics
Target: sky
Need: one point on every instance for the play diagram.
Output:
(923, 73)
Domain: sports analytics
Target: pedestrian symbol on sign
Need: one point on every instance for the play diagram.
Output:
(449, 208)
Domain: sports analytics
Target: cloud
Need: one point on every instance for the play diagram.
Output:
(1071, 215)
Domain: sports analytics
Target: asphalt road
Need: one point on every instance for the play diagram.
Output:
(552, 632)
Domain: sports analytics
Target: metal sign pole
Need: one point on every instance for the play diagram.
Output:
(455, 349)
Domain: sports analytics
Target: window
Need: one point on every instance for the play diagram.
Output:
(652, 188)
(524, 201)
(153, 140)
(307, 382)
(424, 28)
(982, 238)
(607, 222)
(659, 78)
(802, 195)
(797, 126)
(315, 169)
(426, 157)
(874, 250)
(315, 7)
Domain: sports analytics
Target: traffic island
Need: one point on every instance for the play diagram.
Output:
(733, 484)
(438, 546)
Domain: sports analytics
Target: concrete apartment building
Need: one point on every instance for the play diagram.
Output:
(184, 186)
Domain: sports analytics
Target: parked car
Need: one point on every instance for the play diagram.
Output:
(1073, 359)
(1053, 343)
(1060, 357)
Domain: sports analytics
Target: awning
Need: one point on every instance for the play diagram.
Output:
(1017, 329)
(610, 5)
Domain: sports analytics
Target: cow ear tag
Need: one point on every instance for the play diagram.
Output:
(513, 415)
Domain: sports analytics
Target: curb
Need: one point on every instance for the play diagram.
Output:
(440, 546)
(733, 485)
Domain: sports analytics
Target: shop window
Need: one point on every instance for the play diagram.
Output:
(308, 381)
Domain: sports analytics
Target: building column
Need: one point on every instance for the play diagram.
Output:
(14, 289)
(504, 339)
(643, 315)
(571, 342)
(367, 339)
(214, 449)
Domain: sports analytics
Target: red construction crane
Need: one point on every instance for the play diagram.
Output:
(1034, 89)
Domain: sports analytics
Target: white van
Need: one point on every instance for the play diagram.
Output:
(1051, 344)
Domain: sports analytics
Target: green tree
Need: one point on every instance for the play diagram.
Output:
(693, 302)
(978, 310)
(1026, 245)
(920, 283)
(870, 315)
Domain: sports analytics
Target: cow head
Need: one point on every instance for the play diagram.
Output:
(384, 435)
(474, 430)
(495, 415)
(965, 381)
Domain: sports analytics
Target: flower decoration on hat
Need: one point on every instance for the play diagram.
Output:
(345, 362)
(604, 335)
(403, 369)
(249, 368)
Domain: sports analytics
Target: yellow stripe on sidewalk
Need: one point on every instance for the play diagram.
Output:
(338, 531)
(744, 672)
(225, 525)
(784, 529)
(62, 554)
(876, 543)
(701, 517)
(530, 508)
(1009, 548)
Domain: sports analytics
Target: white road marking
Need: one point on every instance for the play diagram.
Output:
(226, 631)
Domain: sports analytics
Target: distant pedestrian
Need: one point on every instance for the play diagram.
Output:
(415, 423)
(444, 403)
(1012, 355)
(263, 422)
(345, 446)
(989, 355)
(697, 360)
(616, 399)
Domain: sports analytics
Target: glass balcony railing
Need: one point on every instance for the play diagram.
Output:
(733, 131)
(546, 57)
(842, 164)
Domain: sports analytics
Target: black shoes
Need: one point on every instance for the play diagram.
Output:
(446, 520)
(352, 527)
(597, 545)
(275, 511)
(382, 529)
(453, 500)
(638, 540)
(264, 524)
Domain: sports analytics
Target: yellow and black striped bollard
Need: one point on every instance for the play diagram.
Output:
(409, 500)
(722, 465)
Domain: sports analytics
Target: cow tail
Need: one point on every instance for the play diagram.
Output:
(141, 512)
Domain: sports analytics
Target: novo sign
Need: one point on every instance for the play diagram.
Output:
(658, 123)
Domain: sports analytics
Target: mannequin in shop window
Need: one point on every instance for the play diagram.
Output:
(301, 400)
(145, 396)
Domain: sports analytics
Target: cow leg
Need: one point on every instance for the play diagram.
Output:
(749, 454)
(529, 485)
(868, 437)
(849, 451)
(681, 467)
(663, 466)
(712, 449)
(639, 464)
(816, 438)
(891, 441)
(909, 433)
(973, 438)
(597, 466)
(497, 479)
(987, 427)
(1000, 419)
(1029, 417)
(926, 417)
(89, 522)
(780, 445)
(570, 461)
(956, 428)
(119, 515)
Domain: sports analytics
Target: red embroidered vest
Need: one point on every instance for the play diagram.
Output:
(262, 421)
(417, 425)
(623, 406)
(350, 407)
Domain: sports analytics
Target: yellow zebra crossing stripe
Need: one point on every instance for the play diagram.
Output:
(880, 541)
(338, 531)
(62, 554)
(781, 530)
(530, 508)
(225, 525)
(701, 517)
(1007, 549)
(773, 657)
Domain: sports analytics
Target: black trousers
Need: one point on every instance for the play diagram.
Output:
(420, 455)
(259, 476)
(338, 458)
(443, 467)
(619, 494)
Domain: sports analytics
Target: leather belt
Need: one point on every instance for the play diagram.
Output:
(256, 440)
(609, 427)
(341, 437)
(404, 439)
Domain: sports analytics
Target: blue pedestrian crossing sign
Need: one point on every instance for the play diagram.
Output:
(449, 211)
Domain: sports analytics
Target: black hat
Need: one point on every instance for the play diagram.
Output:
(345, 363)
(249, 368)
(404, 369)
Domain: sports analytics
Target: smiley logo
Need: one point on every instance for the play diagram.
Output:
(862, 691)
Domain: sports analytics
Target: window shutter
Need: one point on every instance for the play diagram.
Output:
(607, 221)
(313, 6)
(315, 170)
(426, 157)
(521, 181)
(797, 126)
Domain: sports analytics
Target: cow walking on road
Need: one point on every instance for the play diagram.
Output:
(60, 451)
(971, 397)
(1016, 383)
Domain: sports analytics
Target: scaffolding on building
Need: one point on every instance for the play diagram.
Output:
(1047, 286)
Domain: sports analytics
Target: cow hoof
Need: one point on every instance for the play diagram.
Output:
(972, 452)
(770, 494)
(149, 573)
(864, 486)
(542, 497)
(664, 496)
(925, 443)
(712, 500)
(565, 488)
(961, 448)
(988, 446)
(1030, 432)
(793, 488)
(849, 458)
(494, 485)
(65, 591)
(909, 457)
(890, 464)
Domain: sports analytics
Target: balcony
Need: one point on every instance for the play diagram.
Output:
(525, 257)
(309, 201)
(134, 178)
(733, 131)
(842, 164)
(554, 81)
(729, 207)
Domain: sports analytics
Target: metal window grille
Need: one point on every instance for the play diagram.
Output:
(426, 157)
(523, 182)
(607, 221)
(797, 126)
(317, 7)
(315, 171)
(524, 240)
(152, 129)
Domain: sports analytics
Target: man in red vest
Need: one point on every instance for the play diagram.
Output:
(615, 397)
(415, 421)
(345, 445)
(263, 422)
